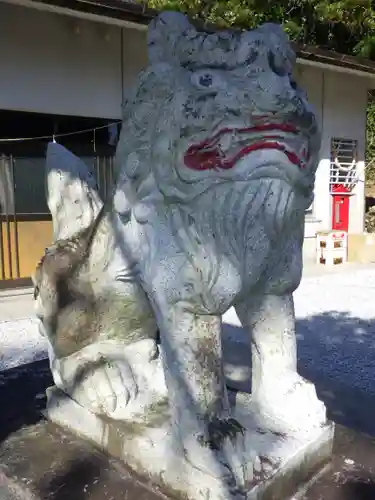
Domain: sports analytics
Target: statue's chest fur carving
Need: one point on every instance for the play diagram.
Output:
(217, 257)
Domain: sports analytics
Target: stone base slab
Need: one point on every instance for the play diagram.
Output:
(285, 463)
(40, 461)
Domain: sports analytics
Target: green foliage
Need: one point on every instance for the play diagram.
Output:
(370, 150)
(346, 26)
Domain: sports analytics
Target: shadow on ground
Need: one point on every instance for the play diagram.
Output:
(22, 395)
(337, 352)
(358, 489)
(80, 476)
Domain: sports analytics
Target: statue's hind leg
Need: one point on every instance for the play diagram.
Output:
(103, 347)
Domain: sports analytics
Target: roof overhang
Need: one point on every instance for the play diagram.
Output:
(134, 14)
(327, 59)
(115, 13)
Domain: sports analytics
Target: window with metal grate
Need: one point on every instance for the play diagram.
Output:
(343, 169)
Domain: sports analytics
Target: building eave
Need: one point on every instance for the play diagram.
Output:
(114, 14)
(137, 15)
(316, 56)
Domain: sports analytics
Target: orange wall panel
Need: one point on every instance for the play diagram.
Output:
(33, 238)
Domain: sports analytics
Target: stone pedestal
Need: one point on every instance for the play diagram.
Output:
(42, 461)
(283, 464)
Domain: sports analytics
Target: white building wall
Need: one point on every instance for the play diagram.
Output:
(135, 54)
(312, 80)
(57, 64)
(340, 101)
(345, 117)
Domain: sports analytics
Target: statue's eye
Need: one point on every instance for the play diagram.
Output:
(206, 80)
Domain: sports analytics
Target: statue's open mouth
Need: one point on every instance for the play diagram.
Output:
(211, 154)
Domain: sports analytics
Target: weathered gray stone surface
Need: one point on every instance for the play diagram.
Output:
(215, 168)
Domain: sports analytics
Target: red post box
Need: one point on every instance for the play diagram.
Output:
(340, 208)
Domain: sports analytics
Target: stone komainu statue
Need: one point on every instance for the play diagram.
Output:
(215, 168)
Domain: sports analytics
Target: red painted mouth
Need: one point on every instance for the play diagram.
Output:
(208, 154)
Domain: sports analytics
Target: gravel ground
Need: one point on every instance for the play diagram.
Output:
(20, 343)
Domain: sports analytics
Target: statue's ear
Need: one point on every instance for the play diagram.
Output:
(72, 195)
(164, 35)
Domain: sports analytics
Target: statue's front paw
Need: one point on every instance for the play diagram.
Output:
(290, 405)
(105, 387)
(220, 453)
